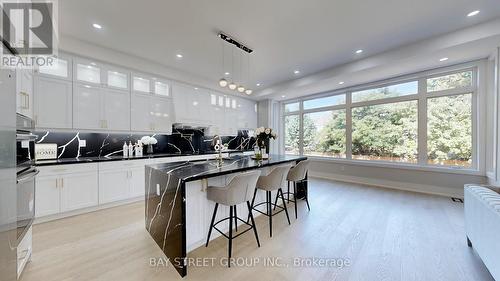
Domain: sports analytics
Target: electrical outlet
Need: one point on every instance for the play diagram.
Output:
(83, 143)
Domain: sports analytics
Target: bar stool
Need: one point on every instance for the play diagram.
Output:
(238, 191)
(296, 175)
(274, 181)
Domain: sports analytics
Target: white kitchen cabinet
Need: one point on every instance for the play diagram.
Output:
(24, 92)
(53, 103)
(116, 109)
(161, 88)
(141, 84)
(151, 113)
(117, 78)
(121, 180)
(96, 108)
(161, 118)
(87, 107)
(113, 185)
(65, 188)
(61, 68)
(191, 105)
(247, 116)
(47, 196)
(87, 71)
(79, 190)
(137, 180)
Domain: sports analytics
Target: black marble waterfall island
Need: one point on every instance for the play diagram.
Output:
(168, 189)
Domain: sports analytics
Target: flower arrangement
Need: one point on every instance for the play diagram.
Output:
(149, 141)
(263, 135)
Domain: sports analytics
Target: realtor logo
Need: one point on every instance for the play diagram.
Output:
(29, 29)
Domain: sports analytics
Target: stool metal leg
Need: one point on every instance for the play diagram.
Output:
(295, 197)
(288, 193)
(253, 202)
(253, 223)
(235, 219)
(269, 212)
(284, 204)
(212, 223)
(276, 200)
(307, 200)
(230, 235)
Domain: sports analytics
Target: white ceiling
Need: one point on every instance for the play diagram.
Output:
(311, 35)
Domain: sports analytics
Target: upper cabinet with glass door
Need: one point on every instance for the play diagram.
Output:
(115, 77)
(141, 84)
(60, 67)
(161, 88)
(87, 71)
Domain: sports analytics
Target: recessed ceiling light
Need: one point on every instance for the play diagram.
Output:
(196, 88)
(283, 96)
(341, 82)
(443, 59)
(179, 56)
(258, 84)
(471, 14)
(296, 72)
(359, 51)
(227, 73)
(96, 25)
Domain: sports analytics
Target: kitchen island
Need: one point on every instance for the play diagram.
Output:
(177, 211)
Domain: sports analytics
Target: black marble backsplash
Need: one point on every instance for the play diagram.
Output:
(103, 144)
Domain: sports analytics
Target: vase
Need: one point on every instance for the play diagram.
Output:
(266, 144)
(150, 149)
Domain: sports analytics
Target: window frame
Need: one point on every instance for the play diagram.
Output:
(421, 97)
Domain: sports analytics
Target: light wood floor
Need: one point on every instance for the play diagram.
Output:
(386, 235)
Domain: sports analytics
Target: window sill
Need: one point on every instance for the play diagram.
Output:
(402, 166)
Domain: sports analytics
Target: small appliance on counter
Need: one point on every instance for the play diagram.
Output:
(26, 173)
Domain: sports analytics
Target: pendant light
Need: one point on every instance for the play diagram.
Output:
(232, 85)
(240, 88)
(223, 82)
(248, 91)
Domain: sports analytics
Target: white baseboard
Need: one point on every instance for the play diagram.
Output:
(86, 210)
(420, 188)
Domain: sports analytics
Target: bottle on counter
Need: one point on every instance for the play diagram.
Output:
(130, 149)
(125, 149)
(138, 149)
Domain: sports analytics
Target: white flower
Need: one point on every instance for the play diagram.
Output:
(147, 140)
(267, 131)
(274, 135)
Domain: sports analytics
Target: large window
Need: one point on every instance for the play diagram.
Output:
(292, 137)
(449, 130)
(386, 132)
(428, 120)
(324, 133)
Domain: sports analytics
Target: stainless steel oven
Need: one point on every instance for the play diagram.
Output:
(26, 174)
(25, 201)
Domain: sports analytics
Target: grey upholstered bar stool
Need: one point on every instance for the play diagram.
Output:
(238, 191)
(273, 181)
(297, 174)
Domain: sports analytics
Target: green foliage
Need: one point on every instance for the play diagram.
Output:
(449, 129)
